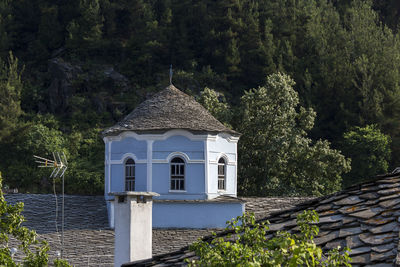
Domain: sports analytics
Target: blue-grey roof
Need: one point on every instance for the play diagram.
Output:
(166, 110)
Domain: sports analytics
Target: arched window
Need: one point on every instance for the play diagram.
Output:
(221, 174)
(130, 175)
(177, 174)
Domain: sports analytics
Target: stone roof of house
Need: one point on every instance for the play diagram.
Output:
(166, 110)
(87, 238)
(365, 218)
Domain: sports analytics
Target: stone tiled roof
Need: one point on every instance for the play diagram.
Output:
(166, 110)
(87, 239)
(365, 218)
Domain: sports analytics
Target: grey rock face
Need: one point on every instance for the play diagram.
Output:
(61, 89)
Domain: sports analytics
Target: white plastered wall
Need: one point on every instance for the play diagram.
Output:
(224, 146)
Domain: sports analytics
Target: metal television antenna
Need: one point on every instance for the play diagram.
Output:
(59, 164)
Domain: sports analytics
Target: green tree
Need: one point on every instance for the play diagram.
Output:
(50, 32)
(276, 156)
(369, 150)
(249, 246)
(5, 25)
(210, 99)
(17, 155)
(87, 28)
(10, 95)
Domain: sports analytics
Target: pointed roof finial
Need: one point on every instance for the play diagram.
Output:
(170, 74)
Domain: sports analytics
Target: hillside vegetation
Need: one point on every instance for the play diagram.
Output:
(70, 68)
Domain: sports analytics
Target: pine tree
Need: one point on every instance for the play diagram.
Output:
(87, 29)
(276, 156)
(10, 96)
(5, 27)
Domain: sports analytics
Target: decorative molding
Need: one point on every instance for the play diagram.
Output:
(230, 163)
(228, 137)
(164, 161)
(149, 165)
(178, 154)
(224, 156)
(130, 155)
(177, 191)
(168, 134)
(119, 162)
(163, 136)
(123, 158)
(206, 168)
(145, 161)
(109, 166)
(235, 179)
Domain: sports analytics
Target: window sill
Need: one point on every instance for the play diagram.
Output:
(177, 191)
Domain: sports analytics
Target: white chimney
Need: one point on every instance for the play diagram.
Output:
(133, 226)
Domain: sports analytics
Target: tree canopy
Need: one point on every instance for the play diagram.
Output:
(275, 155)
(87, 63)
(369, 150)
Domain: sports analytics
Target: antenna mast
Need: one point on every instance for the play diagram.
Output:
(170, 74)
(59, 165)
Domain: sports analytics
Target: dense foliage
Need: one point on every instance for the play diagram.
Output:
(369, 149)
(276, 156)
(248, 245)
(35, 252)
(83, 64)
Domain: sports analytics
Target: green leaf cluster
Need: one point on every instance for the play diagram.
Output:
(251, 244)
(369, 150)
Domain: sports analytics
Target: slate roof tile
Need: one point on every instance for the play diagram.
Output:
(359, 250)
(351, 200)
(354, 242)
(372, 239)
(349, 231)
(370, 195)
(389, 191)
(365, 218)
(367, 213)
(166, 110)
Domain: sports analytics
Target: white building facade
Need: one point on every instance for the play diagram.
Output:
(189, 160)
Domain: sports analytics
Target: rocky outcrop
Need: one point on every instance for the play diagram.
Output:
(117, 79)
(68, 79)
(61, 89)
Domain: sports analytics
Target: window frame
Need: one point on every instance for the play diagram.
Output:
(129, 181)
(221, 178)
(177, 180)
